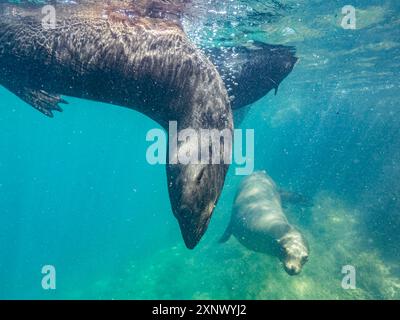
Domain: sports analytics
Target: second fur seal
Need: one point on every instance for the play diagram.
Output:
(259, 223)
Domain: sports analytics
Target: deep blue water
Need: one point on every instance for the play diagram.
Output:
(77, 192)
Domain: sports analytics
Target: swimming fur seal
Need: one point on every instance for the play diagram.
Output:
(259, 223)
(137, 56)
(127, 55)
(251, 72)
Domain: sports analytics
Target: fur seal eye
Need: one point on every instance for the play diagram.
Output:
(200, 176)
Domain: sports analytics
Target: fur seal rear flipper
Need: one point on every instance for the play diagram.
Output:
(113, 54)
(252, 72)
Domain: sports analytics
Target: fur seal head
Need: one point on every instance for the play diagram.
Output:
(294, 251)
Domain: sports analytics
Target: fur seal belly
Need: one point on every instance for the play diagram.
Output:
(112, 54)
(259, 223)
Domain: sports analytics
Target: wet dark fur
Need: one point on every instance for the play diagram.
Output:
(147, 64)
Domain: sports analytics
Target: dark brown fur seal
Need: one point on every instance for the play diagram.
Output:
(129, 56)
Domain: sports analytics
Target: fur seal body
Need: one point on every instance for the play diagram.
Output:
(113, 54)
(259, 223)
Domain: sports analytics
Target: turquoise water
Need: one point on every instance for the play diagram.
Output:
(77, 192)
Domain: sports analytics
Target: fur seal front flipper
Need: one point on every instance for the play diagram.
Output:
(227, 234)
(294, 198)
(113, 54)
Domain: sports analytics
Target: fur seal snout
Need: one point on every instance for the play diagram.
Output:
(259, 223)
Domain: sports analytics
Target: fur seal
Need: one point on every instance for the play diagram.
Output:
(128, 54)
(251, 72)
(259, 223)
